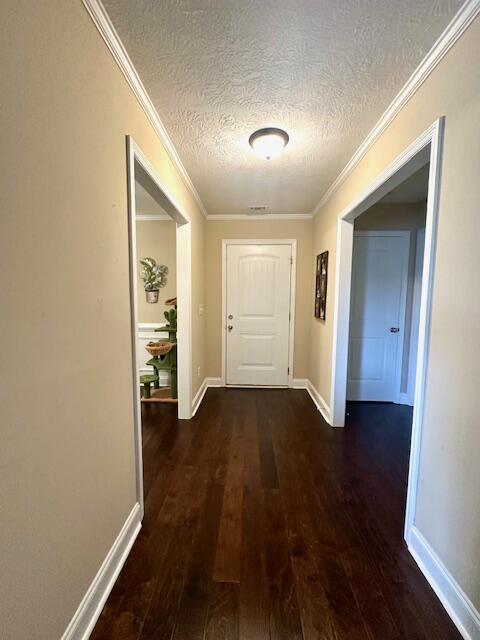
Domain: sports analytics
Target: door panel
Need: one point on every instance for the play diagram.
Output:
(379, 273)
(258, 304)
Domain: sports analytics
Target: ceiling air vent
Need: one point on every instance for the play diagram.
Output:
(258, 208)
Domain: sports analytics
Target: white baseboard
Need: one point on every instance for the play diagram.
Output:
(449, 592)
(320, 403)
(207, 382)
(82, 623)
(197, 400)
(299, 383)
(404, 398)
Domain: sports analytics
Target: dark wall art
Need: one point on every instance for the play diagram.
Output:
(321, 285)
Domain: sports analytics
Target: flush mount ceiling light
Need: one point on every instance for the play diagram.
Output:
(268, 142)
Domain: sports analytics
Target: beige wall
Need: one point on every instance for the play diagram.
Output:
(156, 239)
(448, 509)
(65, 323)
(300, 230)
(67, 456)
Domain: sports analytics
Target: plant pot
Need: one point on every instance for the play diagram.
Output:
(152, 296)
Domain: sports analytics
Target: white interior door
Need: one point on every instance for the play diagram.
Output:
(257, 314)
(377, 315)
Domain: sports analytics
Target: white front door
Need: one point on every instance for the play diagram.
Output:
(257, 314)
(377, 315)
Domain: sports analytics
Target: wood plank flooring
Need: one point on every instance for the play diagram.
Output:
(261, 522)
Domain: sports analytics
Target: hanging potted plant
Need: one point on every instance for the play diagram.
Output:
(154, 277)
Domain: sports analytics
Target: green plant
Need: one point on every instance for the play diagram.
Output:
(154, 275)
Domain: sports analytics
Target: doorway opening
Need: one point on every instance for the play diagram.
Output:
(156, 298)
(387, 266)
(160, 296)
(387, 269)
(427, 149)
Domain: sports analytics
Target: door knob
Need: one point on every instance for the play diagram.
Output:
(394, 329)
(230, 327)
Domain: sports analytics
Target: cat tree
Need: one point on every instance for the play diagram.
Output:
(164, 355)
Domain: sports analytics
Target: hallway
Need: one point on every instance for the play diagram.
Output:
(262, 522)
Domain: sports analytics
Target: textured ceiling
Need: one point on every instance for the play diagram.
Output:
(324, 70)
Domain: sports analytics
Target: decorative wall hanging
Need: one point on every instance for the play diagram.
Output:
(154, 277)
(321, 274)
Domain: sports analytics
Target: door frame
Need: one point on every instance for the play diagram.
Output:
(293, 280)
(427, 147)
(416, 296)
(136, 158)
(406, 235)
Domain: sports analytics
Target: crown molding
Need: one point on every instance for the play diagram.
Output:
(107, 31)
(261, 216)
(461, 21)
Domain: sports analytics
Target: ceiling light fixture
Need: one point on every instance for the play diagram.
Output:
(268, 142)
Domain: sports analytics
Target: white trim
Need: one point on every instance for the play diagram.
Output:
(293, 281)
(259, 216)
(85, 617)
(150, 326)
(461, 21)
(404, 398)
(156, 217)
(197, 400)
(415, 315)
(406, 236)
(299, 383)
(404, 165)
(457, 604)
(184, 277)
(296, 383)
(136, 158)
(256, 386)
(293, 297)
(401, 168)
(341, 322)
(107, 31)
(434, 178)
(132, 254)
(224, 312)
(206, 384)
(260, 241)
(184, 321)
(320, 402)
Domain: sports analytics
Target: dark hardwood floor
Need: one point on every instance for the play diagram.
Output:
(263, 522)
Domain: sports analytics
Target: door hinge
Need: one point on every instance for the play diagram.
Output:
(291, 259)
(288, 370)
